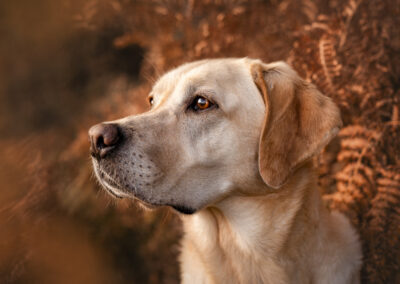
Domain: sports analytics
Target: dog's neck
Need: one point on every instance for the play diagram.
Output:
(256, 229)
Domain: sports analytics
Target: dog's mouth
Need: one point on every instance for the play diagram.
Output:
(109, 183)
(115, 189)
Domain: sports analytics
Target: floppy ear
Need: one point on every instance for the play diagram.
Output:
(299, 121)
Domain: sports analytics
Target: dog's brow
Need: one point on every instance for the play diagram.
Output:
(189, 91)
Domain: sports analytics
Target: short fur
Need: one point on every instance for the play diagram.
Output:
(243, 168)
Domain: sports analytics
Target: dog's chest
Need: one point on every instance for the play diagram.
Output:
(220, 254)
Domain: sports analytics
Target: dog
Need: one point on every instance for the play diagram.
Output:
(228, 143)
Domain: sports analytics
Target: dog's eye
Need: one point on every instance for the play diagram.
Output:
(201, 103)
(150, 100)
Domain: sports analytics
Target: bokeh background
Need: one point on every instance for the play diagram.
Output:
(66, 65)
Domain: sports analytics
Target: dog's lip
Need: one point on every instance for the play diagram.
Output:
(114, 190)
(110, 185)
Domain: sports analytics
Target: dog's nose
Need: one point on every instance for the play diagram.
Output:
(103, 138)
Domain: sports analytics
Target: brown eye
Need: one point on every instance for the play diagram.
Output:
(201, 103)
(151, 100)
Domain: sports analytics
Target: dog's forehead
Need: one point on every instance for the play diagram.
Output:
(214, 73)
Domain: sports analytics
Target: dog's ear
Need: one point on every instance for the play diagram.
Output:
(299, 121)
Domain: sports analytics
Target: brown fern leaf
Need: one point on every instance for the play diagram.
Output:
(355, 177)
(358, 130)
(387, 198)
(381, 231)
(329, 61)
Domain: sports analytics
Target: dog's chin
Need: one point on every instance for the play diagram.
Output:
(148, 206)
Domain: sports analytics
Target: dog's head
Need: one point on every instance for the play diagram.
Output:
(215, 127)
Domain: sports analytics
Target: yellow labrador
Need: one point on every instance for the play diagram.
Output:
(228, 143)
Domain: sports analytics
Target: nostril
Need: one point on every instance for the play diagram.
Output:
(100, 143)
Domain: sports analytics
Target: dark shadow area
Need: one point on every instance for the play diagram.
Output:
(50, 67)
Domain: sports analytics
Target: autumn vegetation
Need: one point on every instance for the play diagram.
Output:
(65, 65)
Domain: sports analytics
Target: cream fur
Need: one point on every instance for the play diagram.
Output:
(284, 237)
(243, 167)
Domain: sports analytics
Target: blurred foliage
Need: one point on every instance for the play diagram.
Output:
(65, 65)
